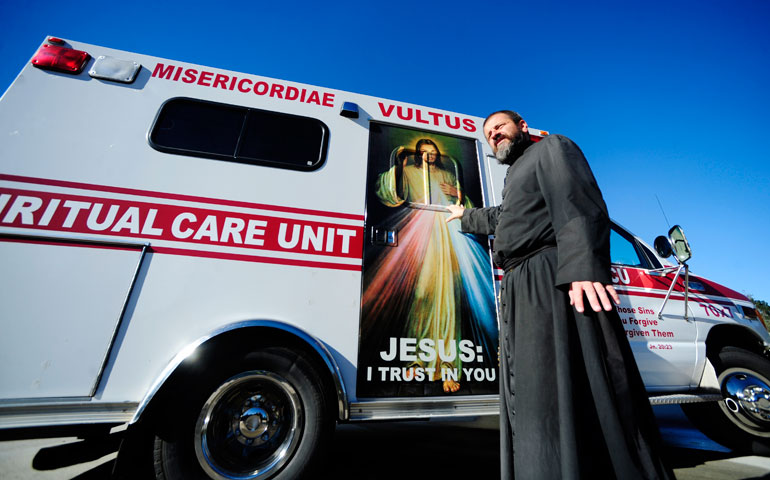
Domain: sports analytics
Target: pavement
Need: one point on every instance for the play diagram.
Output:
(399, 450)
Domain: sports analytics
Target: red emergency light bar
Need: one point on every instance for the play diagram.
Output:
(60, 59)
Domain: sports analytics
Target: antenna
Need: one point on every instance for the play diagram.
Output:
(662, 211)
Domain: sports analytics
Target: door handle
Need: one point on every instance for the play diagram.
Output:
(384, 236)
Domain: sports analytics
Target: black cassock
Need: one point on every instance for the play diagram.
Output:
(581, 410)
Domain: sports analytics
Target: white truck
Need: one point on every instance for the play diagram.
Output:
(231, 264)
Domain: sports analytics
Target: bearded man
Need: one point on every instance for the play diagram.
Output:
(572, 402)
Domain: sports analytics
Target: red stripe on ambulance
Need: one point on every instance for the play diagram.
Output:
(269, 238)
(175, 196)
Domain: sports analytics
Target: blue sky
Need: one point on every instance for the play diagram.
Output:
(666, 99)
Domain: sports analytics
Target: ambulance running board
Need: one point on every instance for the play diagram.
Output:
(685, 398)
(412, 408)
(420, 408)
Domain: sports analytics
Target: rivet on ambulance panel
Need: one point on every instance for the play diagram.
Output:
(114, 69)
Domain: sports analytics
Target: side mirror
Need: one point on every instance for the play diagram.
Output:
(676, 244)
(679, 244)
(663, 247)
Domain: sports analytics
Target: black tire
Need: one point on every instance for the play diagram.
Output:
(741, 420)
(266, 418)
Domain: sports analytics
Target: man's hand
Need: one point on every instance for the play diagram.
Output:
(455, 211)
(596, 292)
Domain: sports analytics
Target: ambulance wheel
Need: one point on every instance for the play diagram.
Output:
(268, 419)
(741, 420)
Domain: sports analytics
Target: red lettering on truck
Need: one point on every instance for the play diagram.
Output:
(425, 116)
(197, 227)
(244, 84)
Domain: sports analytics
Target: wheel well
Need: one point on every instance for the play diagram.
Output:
(722, 336)
(228, 349)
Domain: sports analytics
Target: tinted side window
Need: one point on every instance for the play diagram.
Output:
(623, 251)
(187, 126)
(198, 127)
(653, 260)
(285, 139)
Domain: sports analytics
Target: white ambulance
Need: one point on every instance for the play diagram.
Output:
(231, 264)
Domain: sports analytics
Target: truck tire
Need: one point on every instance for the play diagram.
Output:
(266, 419)
(741, 420)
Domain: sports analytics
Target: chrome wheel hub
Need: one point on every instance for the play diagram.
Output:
(249, 427)
(252, 424)
(747, 394)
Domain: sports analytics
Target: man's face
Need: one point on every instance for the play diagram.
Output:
(502, 132)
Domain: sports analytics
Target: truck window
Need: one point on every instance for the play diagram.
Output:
(187, 126)
(623, 251)
(653, 260)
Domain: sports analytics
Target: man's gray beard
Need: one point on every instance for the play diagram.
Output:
(503, 153)
(509, 152)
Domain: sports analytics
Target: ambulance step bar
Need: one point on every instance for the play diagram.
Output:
(419, 408)
(410, 408)
(685, 398)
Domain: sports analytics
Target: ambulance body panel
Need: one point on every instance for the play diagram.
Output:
(129, 261)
